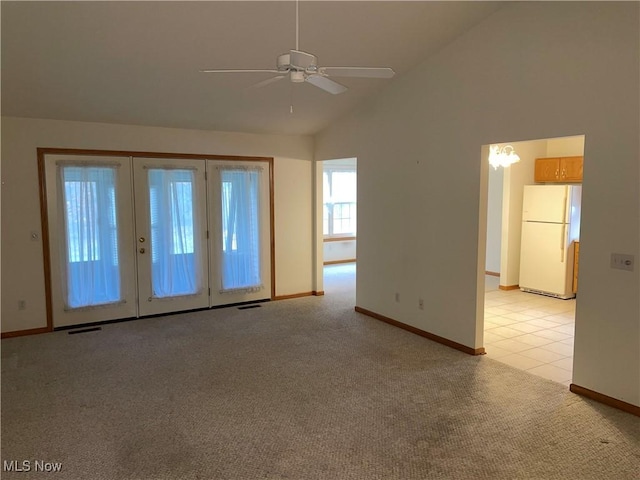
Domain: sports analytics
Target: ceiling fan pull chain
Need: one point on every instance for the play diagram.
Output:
(291, 102)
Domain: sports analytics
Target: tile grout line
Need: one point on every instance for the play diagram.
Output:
(504, 312)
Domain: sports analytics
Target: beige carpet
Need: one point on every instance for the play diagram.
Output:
(296, 389)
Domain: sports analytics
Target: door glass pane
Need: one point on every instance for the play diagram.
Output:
(173, 234)
(240, 230)
(91, 235)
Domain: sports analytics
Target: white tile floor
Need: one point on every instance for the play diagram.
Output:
(529, 331)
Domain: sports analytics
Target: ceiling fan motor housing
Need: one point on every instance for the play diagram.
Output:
(284, 62)
(297, 61)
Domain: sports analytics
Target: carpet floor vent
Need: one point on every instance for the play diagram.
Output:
(85, 330)
(246, 307)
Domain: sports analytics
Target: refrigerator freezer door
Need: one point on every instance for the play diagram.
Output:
(543, 259)
(545, 203)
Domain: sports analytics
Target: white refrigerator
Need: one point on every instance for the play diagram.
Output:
(550, 225)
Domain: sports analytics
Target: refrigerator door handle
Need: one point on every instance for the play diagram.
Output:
(563, 242)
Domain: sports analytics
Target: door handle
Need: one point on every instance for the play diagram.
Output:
(142, 250)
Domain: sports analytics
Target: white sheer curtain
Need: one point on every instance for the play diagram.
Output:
(91, 235)
(240, 188)
(173, 233)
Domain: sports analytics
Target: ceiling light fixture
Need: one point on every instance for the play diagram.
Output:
(502, 156)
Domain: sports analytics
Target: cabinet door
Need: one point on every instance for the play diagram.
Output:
(571, 169)
(547, 170)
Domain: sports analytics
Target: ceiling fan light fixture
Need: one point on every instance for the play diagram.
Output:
(297, 77)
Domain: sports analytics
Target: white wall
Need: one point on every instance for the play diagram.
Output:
(532, 70)
(565, 146)
(294, 229)
(22, 258)
(342, 251)
(494, 220)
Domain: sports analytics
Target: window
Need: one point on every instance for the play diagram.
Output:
(340, 194)
(91, 236)
(171, 205)
(179, 202)
(240, 229)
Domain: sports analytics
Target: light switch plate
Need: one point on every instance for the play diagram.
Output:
(622, 261)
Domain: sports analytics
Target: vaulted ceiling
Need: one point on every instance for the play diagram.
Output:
(138, 62)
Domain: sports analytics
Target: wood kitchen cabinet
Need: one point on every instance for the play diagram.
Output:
(558, 169)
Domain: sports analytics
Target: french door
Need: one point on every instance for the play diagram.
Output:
(171, 234)
(133, 236)
(239, 255)
(90, 230)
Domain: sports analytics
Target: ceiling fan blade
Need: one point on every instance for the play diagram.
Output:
(300, 59)
(326, 84)
(366, 72)
(266, 82)
(239, 71)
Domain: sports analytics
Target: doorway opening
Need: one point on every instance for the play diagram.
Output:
(531, 331)
(339, 224)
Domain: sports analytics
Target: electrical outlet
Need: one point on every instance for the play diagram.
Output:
(421, 304)
(22, 304)
(622, 261)
(397, 297)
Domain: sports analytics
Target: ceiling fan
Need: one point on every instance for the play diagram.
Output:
(301, 67)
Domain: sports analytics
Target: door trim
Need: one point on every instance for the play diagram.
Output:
(42, 152)
(44, 225)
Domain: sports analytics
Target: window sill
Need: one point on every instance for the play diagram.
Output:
(338, 239)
